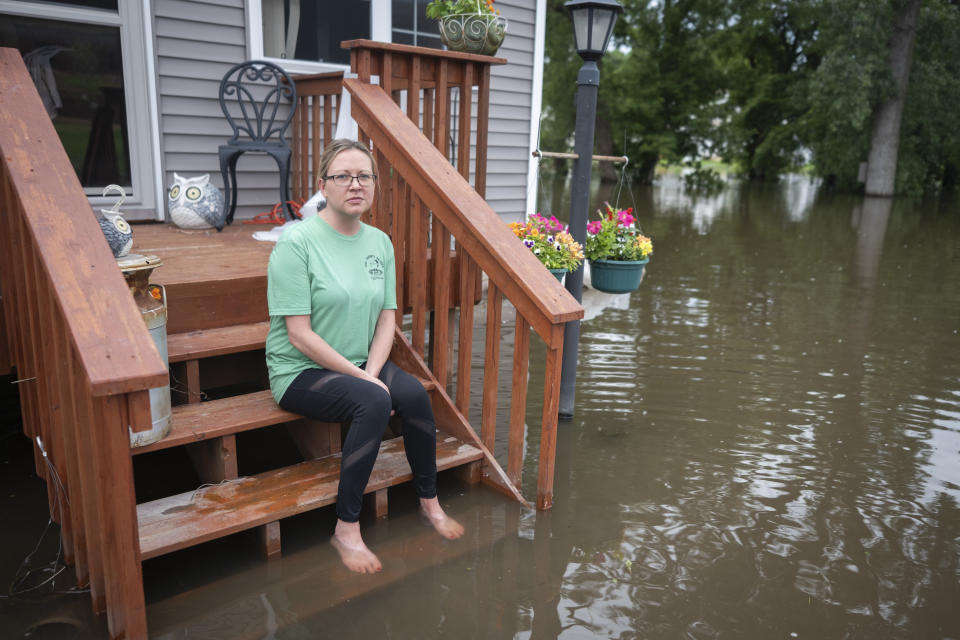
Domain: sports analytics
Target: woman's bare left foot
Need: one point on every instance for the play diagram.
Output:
(354, 553)
(439, 520)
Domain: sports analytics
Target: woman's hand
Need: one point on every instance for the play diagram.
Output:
(375, 380)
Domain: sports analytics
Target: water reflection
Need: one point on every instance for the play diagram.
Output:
(765, 445)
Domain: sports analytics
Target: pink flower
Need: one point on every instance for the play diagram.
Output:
(594, 227)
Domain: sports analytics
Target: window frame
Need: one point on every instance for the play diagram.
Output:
(139, 78)
(380, 29)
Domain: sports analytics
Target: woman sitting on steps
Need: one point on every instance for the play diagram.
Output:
(332, 298)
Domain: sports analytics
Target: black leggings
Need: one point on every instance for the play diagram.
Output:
(329, 396)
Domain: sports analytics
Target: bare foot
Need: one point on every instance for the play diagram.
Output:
(353, 552)
(440, 521)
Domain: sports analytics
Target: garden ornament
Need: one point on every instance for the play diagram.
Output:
(194, 203)
(118, 233)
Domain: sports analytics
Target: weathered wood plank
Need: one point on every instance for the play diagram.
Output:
(518, 402)
(218, 341)
(190, 518)
(202, 420)
(491, 367)
(548, 425)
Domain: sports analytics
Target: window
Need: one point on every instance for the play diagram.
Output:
(313, 30)
(412, 26)
(93, 87)
(304, 36)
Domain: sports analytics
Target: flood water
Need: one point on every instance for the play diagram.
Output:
(766, 445)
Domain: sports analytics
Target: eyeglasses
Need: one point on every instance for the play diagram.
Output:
(345, 179)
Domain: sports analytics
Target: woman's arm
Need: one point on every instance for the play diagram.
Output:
(306, 341)
(382, 342)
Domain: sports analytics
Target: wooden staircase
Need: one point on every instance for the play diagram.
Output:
(233, 503)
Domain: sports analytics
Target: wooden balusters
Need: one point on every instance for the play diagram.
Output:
(318, 106)
(491, 367)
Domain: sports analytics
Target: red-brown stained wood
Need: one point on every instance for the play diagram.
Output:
(314, 439)
(215, 459)
(518, 402)
(214, 418)
(315, 148)
(54, 358)
(192, 381)
(40, 387)
(206, 343)
(112, 341)
(548, 425)
(72, 462)
(418, 275)
(441, 116)
(123, 579)
(463, 132)
(483, 132)
(270, 544)
(491, 367)
(465, 333)
(522, 278)
(441, 296)
(190, 518)
(377, 502)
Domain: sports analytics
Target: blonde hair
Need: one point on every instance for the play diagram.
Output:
(335, 148)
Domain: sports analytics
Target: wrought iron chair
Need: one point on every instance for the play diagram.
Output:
(259, 118)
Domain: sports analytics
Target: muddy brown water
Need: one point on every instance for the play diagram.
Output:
(766, 445)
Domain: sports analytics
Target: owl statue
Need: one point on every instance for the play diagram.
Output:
(115, 229)
(194, 203)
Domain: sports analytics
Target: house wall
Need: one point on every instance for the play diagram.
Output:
(197, 41)
(510, 112)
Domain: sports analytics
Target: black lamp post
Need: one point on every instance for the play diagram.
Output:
(592, 27)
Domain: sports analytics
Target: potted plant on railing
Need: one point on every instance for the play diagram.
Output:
(551, 243)
(471, 26)
(617, 251)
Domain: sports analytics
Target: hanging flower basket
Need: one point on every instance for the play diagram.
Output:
(617, 251)
(473, 33)
(616, 276)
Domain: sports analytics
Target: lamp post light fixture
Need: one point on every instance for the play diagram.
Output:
(593, 22)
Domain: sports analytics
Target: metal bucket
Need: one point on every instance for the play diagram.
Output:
(151, 299)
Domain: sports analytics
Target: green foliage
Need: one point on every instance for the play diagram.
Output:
(771, 86)
(615, 236)
(440, 8)
(550, 241)
(703, 179)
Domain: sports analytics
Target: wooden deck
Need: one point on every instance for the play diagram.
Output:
(212, 279)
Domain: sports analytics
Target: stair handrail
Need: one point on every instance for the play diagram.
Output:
(496, 250)
(81, 349)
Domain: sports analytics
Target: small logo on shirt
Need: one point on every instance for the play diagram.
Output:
(374, 267)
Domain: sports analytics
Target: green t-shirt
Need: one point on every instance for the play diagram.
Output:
(341, 282)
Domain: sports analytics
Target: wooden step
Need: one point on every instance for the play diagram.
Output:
(206, 343)
(214, 418)
(197, 516)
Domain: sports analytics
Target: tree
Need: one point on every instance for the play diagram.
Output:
(885, 141)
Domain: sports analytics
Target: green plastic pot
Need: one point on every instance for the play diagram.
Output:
(616, 276)
(558, 273)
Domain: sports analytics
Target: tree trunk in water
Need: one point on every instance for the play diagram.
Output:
(882, 162)
(604, 147)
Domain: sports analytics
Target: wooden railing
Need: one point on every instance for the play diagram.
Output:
(315, 120)
(424, 201)
(83, 355)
